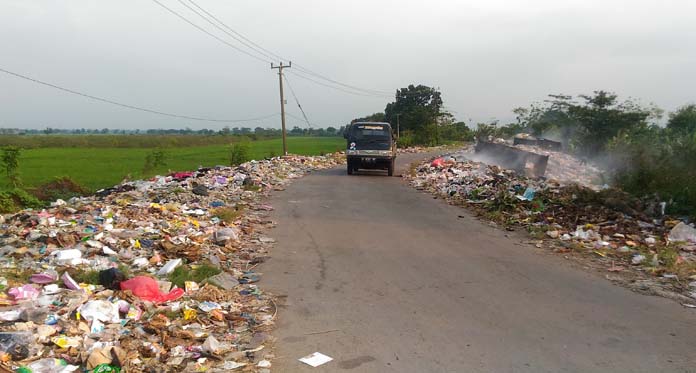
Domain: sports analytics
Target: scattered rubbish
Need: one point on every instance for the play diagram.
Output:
(169, 267)
(144, 276)
(147, 288)
(316, 359)
(682, 232)
(599, 224)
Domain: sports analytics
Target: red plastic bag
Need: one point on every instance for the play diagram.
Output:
(438, 162)
(146, 288)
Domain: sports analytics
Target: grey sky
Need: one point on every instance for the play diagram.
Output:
(487, 57)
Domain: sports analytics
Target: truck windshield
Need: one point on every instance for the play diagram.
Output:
(370, 132)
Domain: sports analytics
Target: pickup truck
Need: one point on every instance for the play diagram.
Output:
(370, 145)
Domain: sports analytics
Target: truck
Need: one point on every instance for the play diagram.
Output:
(370, 145)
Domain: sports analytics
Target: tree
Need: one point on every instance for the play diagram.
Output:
(417, 106)
(683, 121)
(376, 117)
(602, 117)
(10, 159)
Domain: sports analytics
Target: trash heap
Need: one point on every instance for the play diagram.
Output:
(618, 232)
(148, 276)
(566, 168)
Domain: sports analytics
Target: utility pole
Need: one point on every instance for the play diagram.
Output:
(398, 132)
(282, 101)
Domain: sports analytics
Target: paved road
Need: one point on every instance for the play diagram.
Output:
(391, 280)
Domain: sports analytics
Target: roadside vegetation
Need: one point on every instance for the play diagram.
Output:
(32, 176)
(645, 153)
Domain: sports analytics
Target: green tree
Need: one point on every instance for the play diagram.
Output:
(602, 117)
(376, 117)
(683, 121)
(417, 107)
(10, 159)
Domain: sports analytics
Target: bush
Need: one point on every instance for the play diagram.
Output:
(240, 153)
(15, 199)
(658, 164)
(153, 160)
(10, 159)
(59, 188)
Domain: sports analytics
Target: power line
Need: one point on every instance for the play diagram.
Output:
(108, 101)
(297, 101)
(269, 54)
(223, 30)
(210, 33)
(305, 77)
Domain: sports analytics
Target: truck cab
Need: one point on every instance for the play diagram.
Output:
(370, 145)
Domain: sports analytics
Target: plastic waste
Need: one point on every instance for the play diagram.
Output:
(437, 162)
(44, 277)
(15, 344)
(211, 345)
(637, 259)
(69, 256)
(146, 288)
(169, 267)
(24, 292)
(101, 310)
(49, 365)
(111, 278)
(529, 193)
(682, 232)
(106, 368)
(69, 282)
(226, 234)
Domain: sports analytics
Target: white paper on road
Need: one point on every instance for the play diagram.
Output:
(316, 359)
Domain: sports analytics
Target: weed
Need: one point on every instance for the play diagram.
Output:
(252, 187)
(10, 158)
(14, 199)
(86, 276)
(195, 273)
(239, 153)
(227, 214)
(153, 160)
(59, 188)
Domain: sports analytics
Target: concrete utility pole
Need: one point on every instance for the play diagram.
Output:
(398, 132)
(282, 101)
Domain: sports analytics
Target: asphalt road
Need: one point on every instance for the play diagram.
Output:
(384, 278)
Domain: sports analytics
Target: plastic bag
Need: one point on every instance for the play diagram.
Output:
(15, 344)
(683, 232)
(146, 288)
(438, 162)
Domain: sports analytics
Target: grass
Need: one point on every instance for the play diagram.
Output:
(195, 273)
(96, 168)
(227, 214)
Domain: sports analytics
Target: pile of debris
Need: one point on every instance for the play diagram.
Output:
(607, 225)
(567, 169)
(150, 275)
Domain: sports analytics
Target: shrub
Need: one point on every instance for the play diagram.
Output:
(59, 188)
(15, 199)
(153, 160)
(10, 159)
(239, 153)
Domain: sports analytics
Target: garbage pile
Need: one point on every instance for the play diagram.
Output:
(612, 228)
(148, 276)
(561, 167)
(420, 149)
(567, 169)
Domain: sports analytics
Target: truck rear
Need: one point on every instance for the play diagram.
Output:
(370, 145)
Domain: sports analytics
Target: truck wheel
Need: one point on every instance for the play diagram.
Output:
(390, 170)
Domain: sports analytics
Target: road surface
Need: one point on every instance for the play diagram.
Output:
(384, 278)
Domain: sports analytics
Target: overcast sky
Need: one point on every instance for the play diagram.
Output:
(487, 57)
